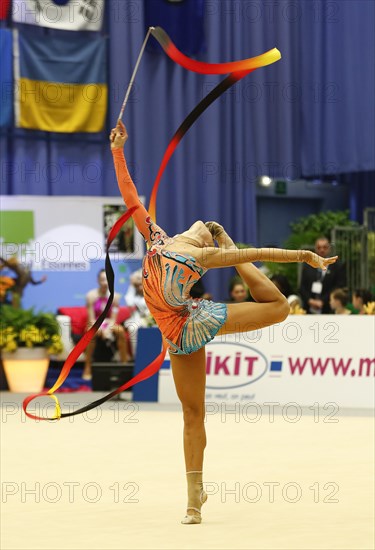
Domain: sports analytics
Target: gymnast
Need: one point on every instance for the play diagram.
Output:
(171, 266)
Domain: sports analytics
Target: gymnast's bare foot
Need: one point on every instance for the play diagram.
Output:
(220, 235)
(214, 228)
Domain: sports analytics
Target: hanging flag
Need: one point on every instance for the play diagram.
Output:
(71, 15)
(60, 82)
(6, 77)
(4, 8)
(183, 20)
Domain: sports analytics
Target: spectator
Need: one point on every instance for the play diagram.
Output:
(360, 298)
(134, 298)
(339, 299)
(238, 291)
(109, 333)
(282, 283)
(317, 285)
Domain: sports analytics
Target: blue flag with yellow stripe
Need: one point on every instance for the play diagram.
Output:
(61, 83)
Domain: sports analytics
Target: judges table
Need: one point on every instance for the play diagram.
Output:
(309, 360)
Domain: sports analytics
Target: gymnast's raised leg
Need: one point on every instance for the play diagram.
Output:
(271, 307)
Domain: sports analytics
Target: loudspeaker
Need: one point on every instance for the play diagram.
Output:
(109, 376)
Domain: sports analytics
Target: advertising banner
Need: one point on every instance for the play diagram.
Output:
(306, 360)
(63, 239)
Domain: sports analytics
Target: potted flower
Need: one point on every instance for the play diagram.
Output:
(27, 339)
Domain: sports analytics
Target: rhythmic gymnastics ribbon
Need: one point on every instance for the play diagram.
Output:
(237, 70)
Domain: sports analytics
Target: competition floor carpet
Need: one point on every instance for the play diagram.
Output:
(114, 479)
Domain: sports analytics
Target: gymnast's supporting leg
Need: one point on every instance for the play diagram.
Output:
(189, 373)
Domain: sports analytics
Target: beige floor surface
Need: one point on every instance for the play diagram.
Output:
(116, 481)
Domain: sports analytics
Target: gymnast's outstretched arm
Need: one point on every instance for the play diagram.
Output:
(212, 257)
(126, 185)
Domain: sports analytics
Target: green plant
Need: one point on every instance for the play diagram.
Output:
(304, 232)
(322, 223)
(25, 328)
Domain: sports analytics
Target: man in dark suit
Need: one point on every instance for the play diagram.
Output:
(316, 285)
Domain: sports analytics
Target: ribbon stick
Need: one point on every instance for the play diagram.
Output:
(134, 73)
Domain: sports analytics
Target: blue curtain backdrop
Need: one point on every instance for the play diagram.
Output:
(311, 113)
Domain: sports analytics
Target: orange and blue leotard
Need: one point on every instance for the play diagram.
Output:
(187, 324)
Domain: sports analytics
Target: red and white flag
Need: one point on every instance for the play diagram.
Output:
(71, 15)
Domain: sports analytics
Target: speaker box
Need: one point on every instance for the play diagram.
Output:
(108, 376)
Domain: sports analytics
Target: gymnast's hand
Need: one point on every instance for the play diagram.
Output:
(318, 261)
(118, 135)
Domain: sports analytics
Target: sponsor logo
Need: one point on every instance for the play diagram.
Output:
(233, 365)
